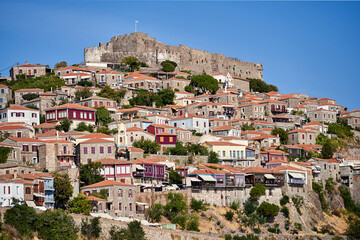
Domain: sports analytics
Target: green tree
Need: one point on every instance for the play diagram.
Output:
(45, 82)
(103, 116)
(318, 188)
(91, 229)
(249, 208)
(106, 130)
(175, 205)
(329, 148)
(190, 89)
(30, 96)
(146, 98)
(175, 178)
(166, 96)
(179, 149)
(83, 93)
(60, 65)
(258, 85)
(197, 149)
(285, 211)
(80, 204)
(349, 202)
(268, 209)
(135, 231)
(193, 223)
(147, 145)
(197, 205)
(205, 83)
(298, 202)
(283, 134)
(229, 215)
(284, 200)
(82, 127)
(257, 191)
(108, 92)
(56, 225)
(353, 230)
(155, 212)
(65, 124)
(168, 66)
(131, 63)
(90, 173)
(247, 127)
(4, 153)
(213, 157)
(85, 83)
(22, 218)
(63, 190)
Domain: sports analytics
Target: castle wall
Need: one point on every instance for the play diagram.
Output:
(152, 52)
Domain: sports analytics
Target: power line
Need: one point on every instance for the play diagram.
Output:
(8, 67)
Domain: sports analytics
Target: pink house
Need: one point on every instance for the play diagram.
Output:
(119, 170)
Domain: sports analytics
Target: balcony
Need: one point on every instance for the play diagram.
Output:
(297, 180)
(138, 174)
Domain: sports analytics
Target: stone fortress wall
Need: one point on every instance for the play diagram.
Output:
(149, 50)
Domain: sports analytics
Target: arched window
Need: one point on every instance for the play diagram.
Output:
(27, 190)
(131, 139)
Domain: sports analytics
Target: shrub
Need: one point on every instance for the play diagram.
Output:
(229, 215)
(91, 229)
(298, 226)
(235, 205)
(268, 209)
(56, 225)
(134, 231)
(318, 188)
(274, 229)
(284, 200)
(257, 191)
(285, 211)
(197, 205)
(298, 202)
(248, 236)
(330, 185)
(287, 225)
(193, 223)
(353, 230)
(156, 212)
(80, 204)
(249, 208)
(22, 218)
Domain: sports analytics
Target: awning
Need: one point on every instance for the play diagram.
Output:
(30, 203)
(193, 179)
(39, 195)
(269, 176)
(296, 175)
(207, 178)
(141, 203)
(139, 167)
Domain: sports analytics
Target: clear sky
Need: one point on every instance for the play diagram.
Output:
(306, 47)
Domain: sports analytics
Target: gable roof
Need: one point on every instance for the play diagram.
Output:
(107, 183)
(72, 106)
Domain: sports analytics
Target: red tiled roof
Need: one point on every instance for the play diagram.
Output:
(74, 68)
(288, 168)
(165, 134)
(95, 135)
(133, 129)
(162, 125)
(51, 133)
(25, 140)
(129, 110)
(76, 74)
(30, 90)
(223, 128)
(108, 183)
(16, 107)
(301, 130)
(92, 198)
(134, 149)
(188, 116)
(333, 160)
(111, 161)
(97, 140)
(222, 143)
(259, 170)
(11, 127)
(45, 125)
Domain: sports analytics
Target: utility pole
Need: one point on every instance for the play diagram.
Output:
(135, 25)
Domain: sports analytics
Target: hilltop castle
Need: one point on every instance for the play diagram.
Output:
(153, 52)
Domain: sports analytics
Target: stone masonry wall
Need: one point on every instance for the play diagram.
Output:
(152, 52)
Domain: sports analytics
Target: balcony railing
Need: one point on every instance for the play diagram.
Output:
(297, 180)
(138, 174)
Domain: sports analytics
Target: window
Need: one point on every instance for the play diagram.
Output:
(161, 139)
(130, 193)
(85, 115)
(101, 150)
(34, 148)
(204, 124)
(81, 115)
(25, 148)
(74, 114)
(130, 207)
(85, 150)
(303, 136)
(27, 190)
(170, 139)
(109, 149)
(120, 193)
(197, 123)
(223, 153)
(92, 150)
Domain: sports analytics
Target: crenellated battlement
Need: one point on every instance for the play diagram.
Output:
(153, 52)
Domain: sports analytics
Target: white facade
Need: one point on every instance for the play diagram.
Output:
(20, 114)
(9, 190)
(201, 125)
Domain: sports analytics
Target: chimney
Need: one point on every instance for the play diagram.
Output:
(26, 62)
(186, 114)
(57, 135)
(153, 104)
(15, 174)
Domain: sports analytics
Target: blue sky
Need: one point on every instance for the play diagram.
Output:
(306, 47)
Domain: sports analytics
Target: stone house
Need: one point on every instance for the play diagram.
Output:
(191, 122)
(322, 115)
(326, 100)
(302, 150)
(14, 155)
(302, 136)
(56, 155)
(72, 69)
(250, 111)
(264, 141)
(332, 107)
(290, 101)
(295, 181)
(45, 127)
(96, 101)
(166, 140)
(118, 170)
(30, 70)
(121, 198)
(159, 118)
(183, 135)
(72, 79)
(135, 134)
(273, 107)
(238, 122)
(21, 92)
(130, 113)
(141, 81)
(74, 112)
(319, 127)
(175, 83)
(109, 78)
(134, 153)
(226, 97)
(186, 101)
(329, 168)
(214, 110)
(29, 148)
(269, 155)
(5, 96)
(217, 122)
(150, 171)
(353, 121)
(94, 149)
(44, 101)
(17, 129)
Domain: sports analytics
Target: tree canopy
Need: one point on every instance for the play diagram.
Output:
(283, 134)
(168, 66)
(65, 124)
(268, 209)
(147, 145)
(85, 83)
(108, 92)
(132, 63)
(146, 98)
(205, 83)
(63, 189)
(179, 149)
(46, 82)
(258, 85)
(103, 116)
(60, 65)
(80, 204)
(175, 178)
(257, 191)
(22, 218)
(30, 96)
(90, 173)
(83, 93)
(213, 157)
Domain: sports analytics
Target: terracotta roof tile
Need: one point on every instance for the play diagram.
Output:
(108, 183)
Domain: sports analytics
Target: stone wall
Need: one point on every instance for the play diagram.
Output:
(161, 197)
(152, 52)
